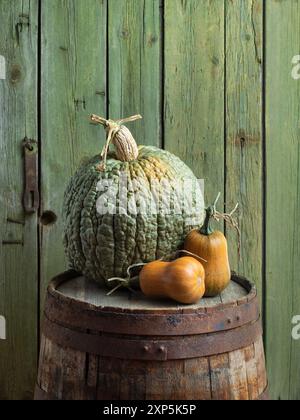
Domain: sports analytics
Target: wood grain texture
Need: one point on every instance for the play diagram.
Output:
(244, 143)
(219, 372)
(136, 362)
(221, 377)
(260, 365)
(73, 86)
(283, 198)
(18, 263)
(64, 374)
(238, 376)
(251, 371)
(134, 54)
(87, 291)
(194, 88)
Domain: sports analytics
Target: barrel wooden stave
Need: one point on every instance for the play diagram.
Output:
(69, 373)
(73, 375)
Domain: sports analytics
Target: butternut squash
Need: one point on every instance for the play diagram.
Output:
(212, 247)
(182, 280)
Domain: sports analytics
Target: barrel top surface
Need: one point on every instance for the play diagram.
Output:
(77, 288)
(76, 302)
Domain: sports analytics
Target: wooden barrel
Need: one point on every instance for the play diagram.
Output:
(126, 347)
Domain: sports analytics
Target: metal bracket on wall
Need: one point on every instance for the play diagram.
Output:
(31, 197)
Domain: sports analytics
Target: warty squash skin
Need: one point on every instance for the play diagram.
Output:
(181, 280)
(104, 246)
(211, 246)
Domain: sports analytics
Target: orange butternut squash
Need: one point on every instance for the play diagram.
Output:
(211, 246)
(182, 280)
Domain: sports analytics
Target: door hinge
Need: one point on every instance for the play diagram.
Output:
(31, 197)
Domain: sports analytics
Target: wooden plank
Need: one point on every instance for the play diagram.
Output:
(178, 380)
(73, 86)
(92, 362)
(260, 364)
(109, 379)
(252, 361)
(18, 263)
(88, 291)
(244, 145)
(133, 387)
(219, 374)
(196, 379)
(73, 375)
(238, 376)
(194, 88)
(283, 198)
(134, 50)
(51, 372)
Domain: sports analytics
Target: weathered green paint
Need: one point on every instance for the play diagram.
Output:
(283, 198)
(194, 88)
(73, 86)
(244, 142)
(134, 66)
(18, 263)
(193, 69)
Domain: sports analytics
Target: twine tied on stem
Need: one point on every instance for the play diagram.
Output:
(228, 218)
(120, 136)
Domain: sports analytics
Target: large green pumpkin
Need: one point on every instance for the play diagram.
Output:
(103, 236)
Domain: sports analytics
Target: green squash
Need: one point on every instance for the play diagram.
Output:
(132, 212)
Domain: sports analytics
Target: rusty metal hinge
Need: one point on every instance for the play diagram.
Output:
(31, 197)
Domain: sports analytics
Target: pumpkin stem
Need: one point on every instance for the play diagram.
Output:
(112, 128)
(206, 228)
(210, 212)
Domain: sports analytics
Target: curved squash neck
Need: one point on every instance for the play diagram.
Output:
(206, 228)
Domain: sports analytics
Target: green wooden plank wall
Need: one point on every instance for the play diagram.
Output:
(213, 80)
(282, 196)
(194, 88)
(134, 65)
(73, 85)
(244, 134)
(18, 234)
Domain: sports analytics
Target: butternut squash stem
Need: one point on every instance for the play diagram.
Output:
(133, 282)
(114, 289)
(134, 266)
(212, 213)
(127, 282)
(123, 283)
(207, 228)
